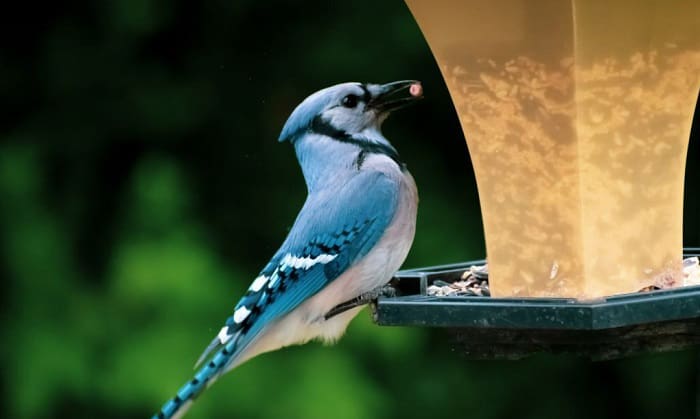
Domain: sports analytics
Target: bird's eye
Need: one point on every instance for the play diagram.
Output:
(349, 101)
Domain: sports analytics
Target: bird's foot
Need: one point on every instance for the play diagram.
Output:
(386, 290)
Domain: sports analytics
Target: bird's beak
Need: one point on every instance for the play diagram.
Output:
(395, 95)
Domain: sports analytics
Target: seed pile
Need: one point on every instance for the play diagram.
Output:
(474, 282)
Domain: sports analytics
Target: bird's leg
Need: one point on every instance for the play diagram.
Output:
(386, 290)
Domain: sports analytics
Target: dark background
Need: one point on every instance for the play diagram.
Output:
(142, 188)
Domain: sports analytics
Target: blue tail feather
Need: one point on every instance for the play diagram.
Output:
(201, 379)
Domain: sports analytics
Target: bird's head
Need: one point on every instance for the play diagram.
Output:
(350, 110)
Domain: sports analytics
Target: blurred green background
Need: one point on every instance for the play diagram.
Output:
(142, 188)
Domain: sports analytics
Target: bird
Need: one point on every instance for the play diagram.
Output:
(351, 235)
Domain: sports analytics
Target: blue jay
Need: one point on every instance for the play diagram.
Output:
(353, 232)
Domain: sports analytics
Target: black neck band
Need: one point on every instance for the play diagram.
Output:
(321, 127)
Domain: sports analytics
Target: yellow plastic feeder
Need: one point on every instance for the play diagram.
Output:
(577, 117)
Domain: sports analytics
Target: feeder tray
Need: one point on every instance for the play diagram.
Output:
(512, 328)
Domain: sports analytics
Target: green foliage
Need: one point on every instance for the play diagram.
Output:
(142, 188)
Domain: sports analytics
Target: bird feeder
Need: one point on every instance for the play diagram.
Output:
(577, 117)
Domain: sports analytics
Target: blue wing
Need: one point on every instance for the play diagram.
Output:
(333, 230)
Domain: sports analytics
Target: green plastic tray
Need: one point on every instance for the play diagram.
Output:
(514, 327)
